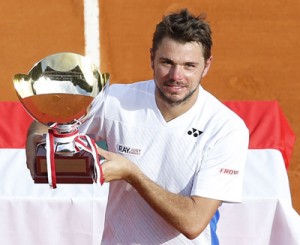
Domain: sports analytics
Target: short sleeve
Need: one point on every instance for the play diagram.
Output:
(222, 166)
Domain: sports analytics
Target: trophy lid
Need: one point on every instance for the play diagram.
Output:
(60, 88)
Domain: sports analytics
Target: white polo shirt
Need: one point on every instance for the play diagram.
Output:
(202, 152)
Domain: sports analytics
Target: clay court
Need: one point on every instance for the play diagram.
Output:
(256, 53)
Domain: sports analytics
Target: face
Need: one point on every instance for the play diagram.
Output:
(178, 69)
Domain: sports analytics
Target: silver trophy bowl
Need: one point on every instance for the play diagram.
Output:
(58, 92)
(59, 89)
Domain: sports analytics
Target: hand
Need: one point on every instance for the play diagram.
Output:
(34, 136)
(31, 142)
(116, 167)
(189, 215)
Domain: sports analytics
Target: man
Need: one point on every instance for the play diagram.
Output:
(175, 153)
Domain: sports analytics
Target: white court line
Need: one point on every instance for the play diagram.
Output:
(92, 31)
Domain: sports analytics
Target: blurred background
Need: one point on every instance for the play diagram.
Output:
(256, 54)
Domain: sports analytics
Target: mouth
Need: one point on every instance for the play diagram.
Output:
(174, 87)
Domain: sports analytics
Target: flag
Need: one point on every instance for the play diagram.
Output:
(74, 214)
(33, 213)
(266, 215)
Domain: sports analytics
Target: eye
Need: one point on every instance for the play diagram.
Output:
(167, 62)
(190, 65)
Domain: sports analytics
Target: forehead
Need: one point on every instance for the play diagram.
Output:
(174, 50)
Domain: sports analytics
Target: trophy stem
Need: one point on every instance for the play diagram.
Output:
(64, 142)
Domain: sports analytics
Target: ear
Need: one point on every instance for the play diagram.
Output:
(207, 66)
(152, 58)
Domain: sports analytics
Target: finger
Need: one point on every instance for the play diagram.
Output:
(103, 152)
(30, 152)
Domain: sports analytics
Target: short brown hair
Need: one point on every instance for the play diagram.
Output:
(184, 27)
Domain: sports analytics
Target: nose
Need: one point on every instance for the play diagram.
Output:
(176, 73)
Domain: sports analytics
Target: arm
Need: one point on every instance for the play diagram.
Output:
(189, 215)
(34, 136)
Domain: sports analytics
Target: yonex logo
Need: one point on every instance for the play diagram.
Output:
(194, 132)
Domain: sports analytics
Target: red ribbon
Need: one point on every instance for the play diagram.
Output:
(82, 142)
(52, 160)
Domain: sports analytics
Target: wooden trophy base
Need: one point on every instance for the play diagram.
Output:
(77, 168)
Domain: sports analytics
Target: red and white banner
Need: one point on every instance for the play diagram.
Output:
(35, 214)
(14, 123)
(74, 214)
(266, 215)
(268, 126)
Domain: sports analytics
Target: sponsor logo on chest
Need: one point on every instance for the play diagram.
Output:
(128, 150)
(229, 171)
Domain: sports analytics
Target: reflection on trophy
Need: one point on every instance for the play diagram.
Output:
(58, 92)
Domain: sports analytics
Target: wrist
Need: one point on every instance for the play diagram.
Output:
(133, 173)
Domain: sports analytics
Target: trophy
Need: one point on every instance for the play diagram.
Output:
(58, 92)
